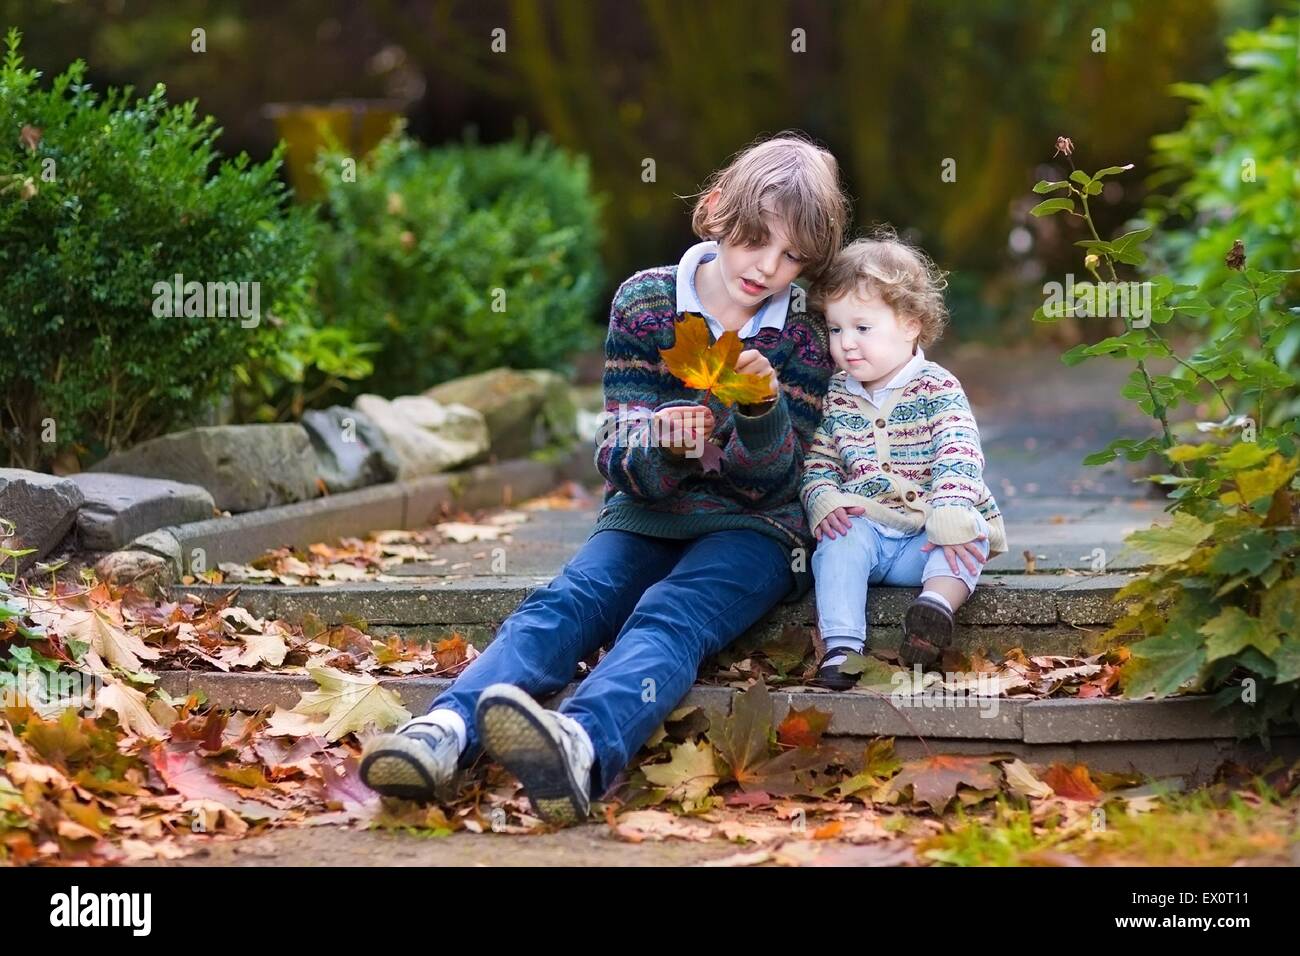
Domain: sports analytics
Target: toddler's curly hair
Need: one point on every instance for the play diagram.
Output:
(897, 271)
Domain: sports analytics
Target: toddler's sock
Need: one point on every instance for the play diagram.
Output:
(844, 644)
(935, 595)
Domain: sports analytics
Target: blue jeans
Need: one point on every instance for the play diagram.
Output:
(667, 604)
(843, 566)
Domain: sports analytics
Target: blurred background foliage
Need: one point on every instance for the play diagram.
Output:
(893, 87)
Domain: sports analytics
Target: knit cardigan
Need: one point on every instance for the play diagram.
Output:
(913, 463)
(652, 491)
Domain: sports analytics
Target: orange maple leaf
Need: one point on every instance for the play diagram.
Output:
(712, 367)
(1072, 783)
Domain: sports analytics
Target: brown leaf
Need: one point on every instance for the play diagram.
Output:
(934, 780)
(1072, 783)
(803, 728)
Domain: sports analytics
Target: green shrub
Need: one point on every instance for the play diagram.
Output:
(1220, 609)
(459, 259)
(101, 198)
(1233, 175)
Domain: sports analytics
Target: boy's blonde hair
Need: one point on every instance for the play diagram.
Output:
(789, 175)
(900, 273)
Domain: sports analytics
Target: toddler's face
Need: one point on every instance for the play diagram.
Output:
(868, 338)
(752, 273)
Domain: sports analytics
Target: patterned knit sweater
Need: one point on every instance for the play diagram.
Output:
(913, 463)
(651, 491)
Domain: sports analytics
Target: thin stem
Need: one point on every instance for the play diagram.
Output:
(1156, 405)
(1259, 333)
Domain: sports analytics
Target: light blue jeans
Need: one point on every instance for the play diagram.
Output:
(843, 566)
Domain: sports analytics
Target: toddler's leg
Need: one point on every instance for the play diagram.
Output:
(842, 568)
(929, 621)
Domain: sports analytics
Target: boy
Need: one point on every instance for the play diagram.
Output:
(682, 560)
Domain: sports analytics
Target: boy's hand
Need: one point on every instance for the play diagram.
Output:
(754, 362)
(684, 428)
(837, 522)
(968, 551)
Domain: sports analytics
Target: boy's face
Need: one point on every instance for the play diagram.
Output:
(752, 273)
(868, 338)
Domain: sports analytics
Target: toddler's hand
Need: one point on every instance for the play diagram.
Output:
(837, 522)
(968, 551)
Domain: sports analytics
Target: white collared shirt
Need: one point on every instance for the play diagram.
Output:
(770, 315)
(880, 395)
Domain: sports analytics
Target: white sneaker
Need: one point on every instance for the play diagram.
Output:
(416, 762)
(549, 752)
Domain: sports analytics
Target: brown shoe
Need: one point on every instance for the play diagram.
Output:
(927, 630)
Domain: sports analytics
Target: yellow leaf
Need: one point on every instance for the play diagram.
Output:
(101, 626)
(1260, 482)
(259, 648)
(349, 702)
(712, 367)
(132, 710)
(690, 774)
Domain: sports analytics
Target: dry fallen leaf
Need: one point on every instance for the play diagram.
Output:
(349, 702)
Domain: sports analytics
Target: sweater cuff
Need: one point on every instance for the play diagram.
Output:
(953, 524)
(673, 466)
(759, 432)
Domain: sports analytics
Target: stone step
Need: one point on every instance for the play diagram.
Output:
(1038, 613)
(1184, 736)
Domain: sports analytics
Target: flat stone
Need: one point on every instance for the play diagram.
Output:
(1091, 600)
(143, 570)
(426, 436)
(1193, 754)
(1174, 718)
(351, 449)
(524, 410)
(244, 467)
(119, 508)
(42, 509)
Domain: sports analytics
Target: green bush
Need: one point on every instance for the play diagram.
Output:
(101, 198)
(459, 259)
(1232, 174)
(1220, 609)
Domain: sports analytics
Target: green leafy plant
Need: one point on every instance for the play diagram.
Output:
(459, 259)
(1220, 611)
(304, 368)
(103, 198)
(1229, 173)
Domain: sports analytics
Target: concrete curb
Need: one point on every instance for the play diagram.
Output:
(404, 504)
(853, 714)
(1058, 601)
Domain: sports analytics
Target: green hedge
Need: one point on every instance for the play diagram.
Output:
(101, 198)
(462, 258)
(1232, 174)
